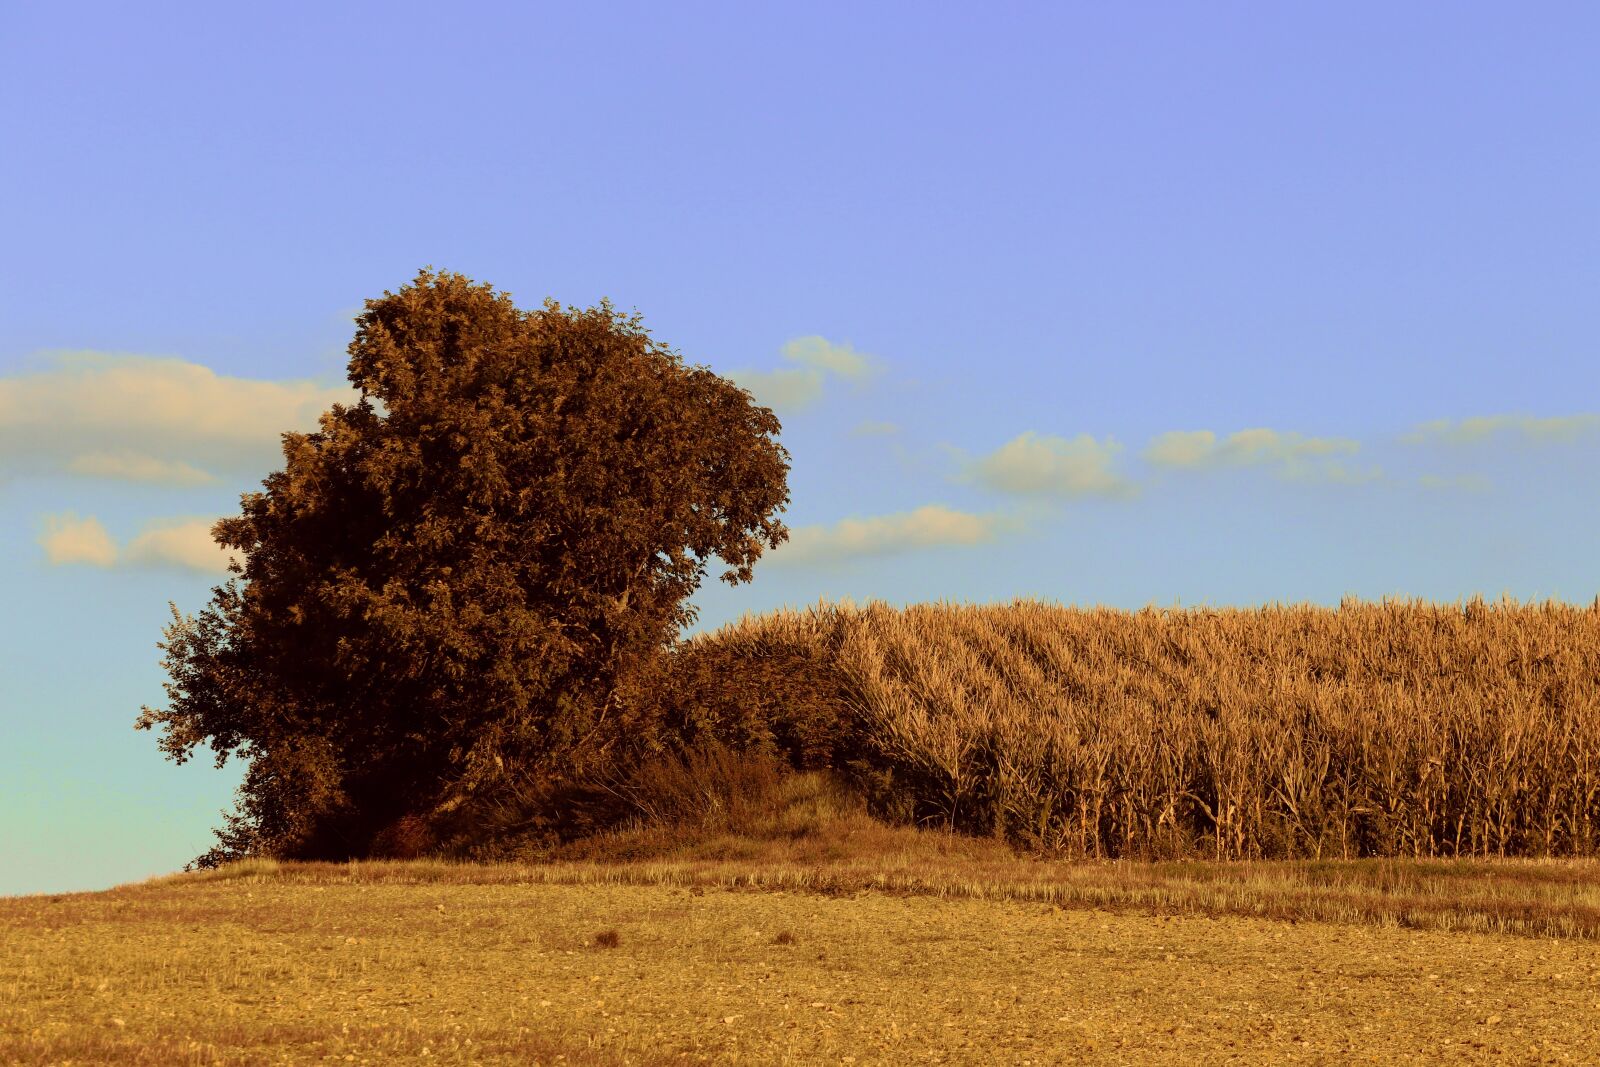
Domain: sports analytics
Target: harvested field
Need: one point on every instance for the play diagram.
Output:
(363, 965)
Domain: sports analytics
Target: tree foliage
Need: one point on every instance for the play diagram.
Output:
(454, 584)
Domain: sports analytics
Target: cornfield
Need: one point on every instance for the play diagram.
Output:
(1397, 728)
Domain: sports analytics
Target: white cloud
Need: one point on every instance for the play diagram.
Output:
(181, 543)
(184, 543)
(1035, 464)
(1291, 453)
(872, 428)
(1472, 483)
(146, 418)
(814, 358)
(1182, 448)
(1563, 428)
(932, 525)
(822, 354)
(68, 539)
(782, 390)
(1201, 448)
(1335, 472)
(134, 467)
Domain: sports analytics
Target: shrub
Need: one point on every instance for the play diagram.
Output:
(707, 785)
(407, 838)
(792, 700)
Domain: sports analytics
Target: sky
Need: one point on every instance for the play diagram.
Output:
(1182, 304)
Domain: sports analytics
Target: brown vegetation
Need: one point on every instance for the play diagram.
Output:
(1377, 729)
(446, 592)
(813, 836)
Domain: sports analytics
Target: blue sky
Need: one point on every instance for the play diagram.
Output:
(1121, 304)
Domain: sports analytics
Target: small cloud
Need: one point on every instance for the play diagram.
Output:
(822, 354)
(1042, 465)
(782, 390)
(149, 419)
(875, 429)
(133, 467)
(1563, 428)
(183, 543)
(1201, 448)
(1182, 448)
(1338, 472)
(801, 385)
(932, 525)
(1289, 452)
(68, 539)
(1471, 483)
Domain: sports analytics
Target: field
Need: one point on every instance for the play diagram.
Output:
(949, 952)
(1375, 729)
(1291, 835)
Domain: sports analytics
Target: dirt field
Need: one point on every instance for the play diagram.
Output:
(274, 972)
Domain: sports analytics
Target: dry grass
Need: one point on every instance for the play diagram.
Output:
(422, 963)
(820, 840)
(810, 934)
(1393, 729)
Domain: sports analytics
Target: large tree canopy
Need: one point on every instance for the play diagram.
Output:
(451, 582)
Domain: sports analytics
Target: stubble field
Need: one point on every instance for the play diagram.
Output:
(425, 963)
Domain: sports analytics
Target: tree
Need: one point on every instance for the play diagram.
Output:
(450, 586)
